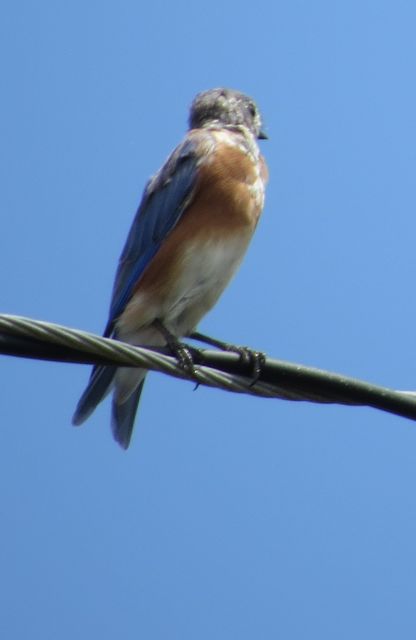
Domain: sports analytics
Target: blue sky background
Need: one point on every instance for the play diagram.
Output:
(229, 516)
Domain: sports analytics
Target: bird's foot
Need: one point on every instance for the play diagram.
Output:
(179, 350)
(253, 360)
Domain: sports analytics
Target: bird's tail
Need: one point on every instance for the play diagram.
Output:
(99, 385)
(123, 415)
(127, 384)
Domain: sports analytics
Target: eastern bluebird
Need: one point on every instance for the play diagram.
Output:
(189, 235)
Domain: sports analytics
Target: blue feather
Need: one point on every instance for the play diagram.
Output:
(99, 385)
(164, 201)
(165, 198)
(123, 415)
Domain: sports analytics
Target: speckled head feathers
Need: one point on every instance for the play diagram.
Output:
(225, 107)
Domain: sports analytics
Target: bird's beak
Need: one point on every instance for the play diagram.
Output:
(262, 136)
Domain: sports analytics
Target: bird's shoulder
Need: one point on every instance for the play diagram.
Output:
(203, 147)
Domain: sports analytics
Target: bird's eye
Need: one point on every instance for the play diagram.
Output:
(252, 109)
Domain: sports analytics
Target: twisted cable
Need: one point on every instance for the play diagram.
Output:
(25, 337)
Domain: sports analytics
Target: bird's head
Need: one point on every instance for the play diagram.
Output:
(226, 107)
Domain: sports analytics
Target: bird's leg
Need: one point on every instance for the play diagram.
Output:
(179, 350)
(249, 357)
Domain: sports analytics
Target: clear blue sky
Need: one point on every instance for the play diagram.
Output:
(229, 517)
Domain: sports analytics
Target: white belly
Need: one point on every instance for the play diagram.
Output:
(206, 272)
(201, 277)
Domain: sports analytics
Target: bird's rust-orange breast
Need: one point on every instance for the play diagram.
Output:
(227, 203)
(230, 190)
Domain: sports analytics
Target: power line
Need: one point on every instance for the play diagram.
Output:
(25, 337)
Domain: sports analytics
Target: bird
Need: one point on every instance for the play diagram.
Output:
(191, 230)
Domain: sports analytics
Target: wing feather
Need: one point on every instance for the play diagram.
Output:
(165, 198)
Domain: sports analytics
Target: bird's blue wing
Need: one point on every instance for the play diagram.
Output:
(165, 198)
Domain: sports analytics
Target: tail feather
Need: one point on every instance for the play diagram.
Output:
(99, 385)
(123, 415)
